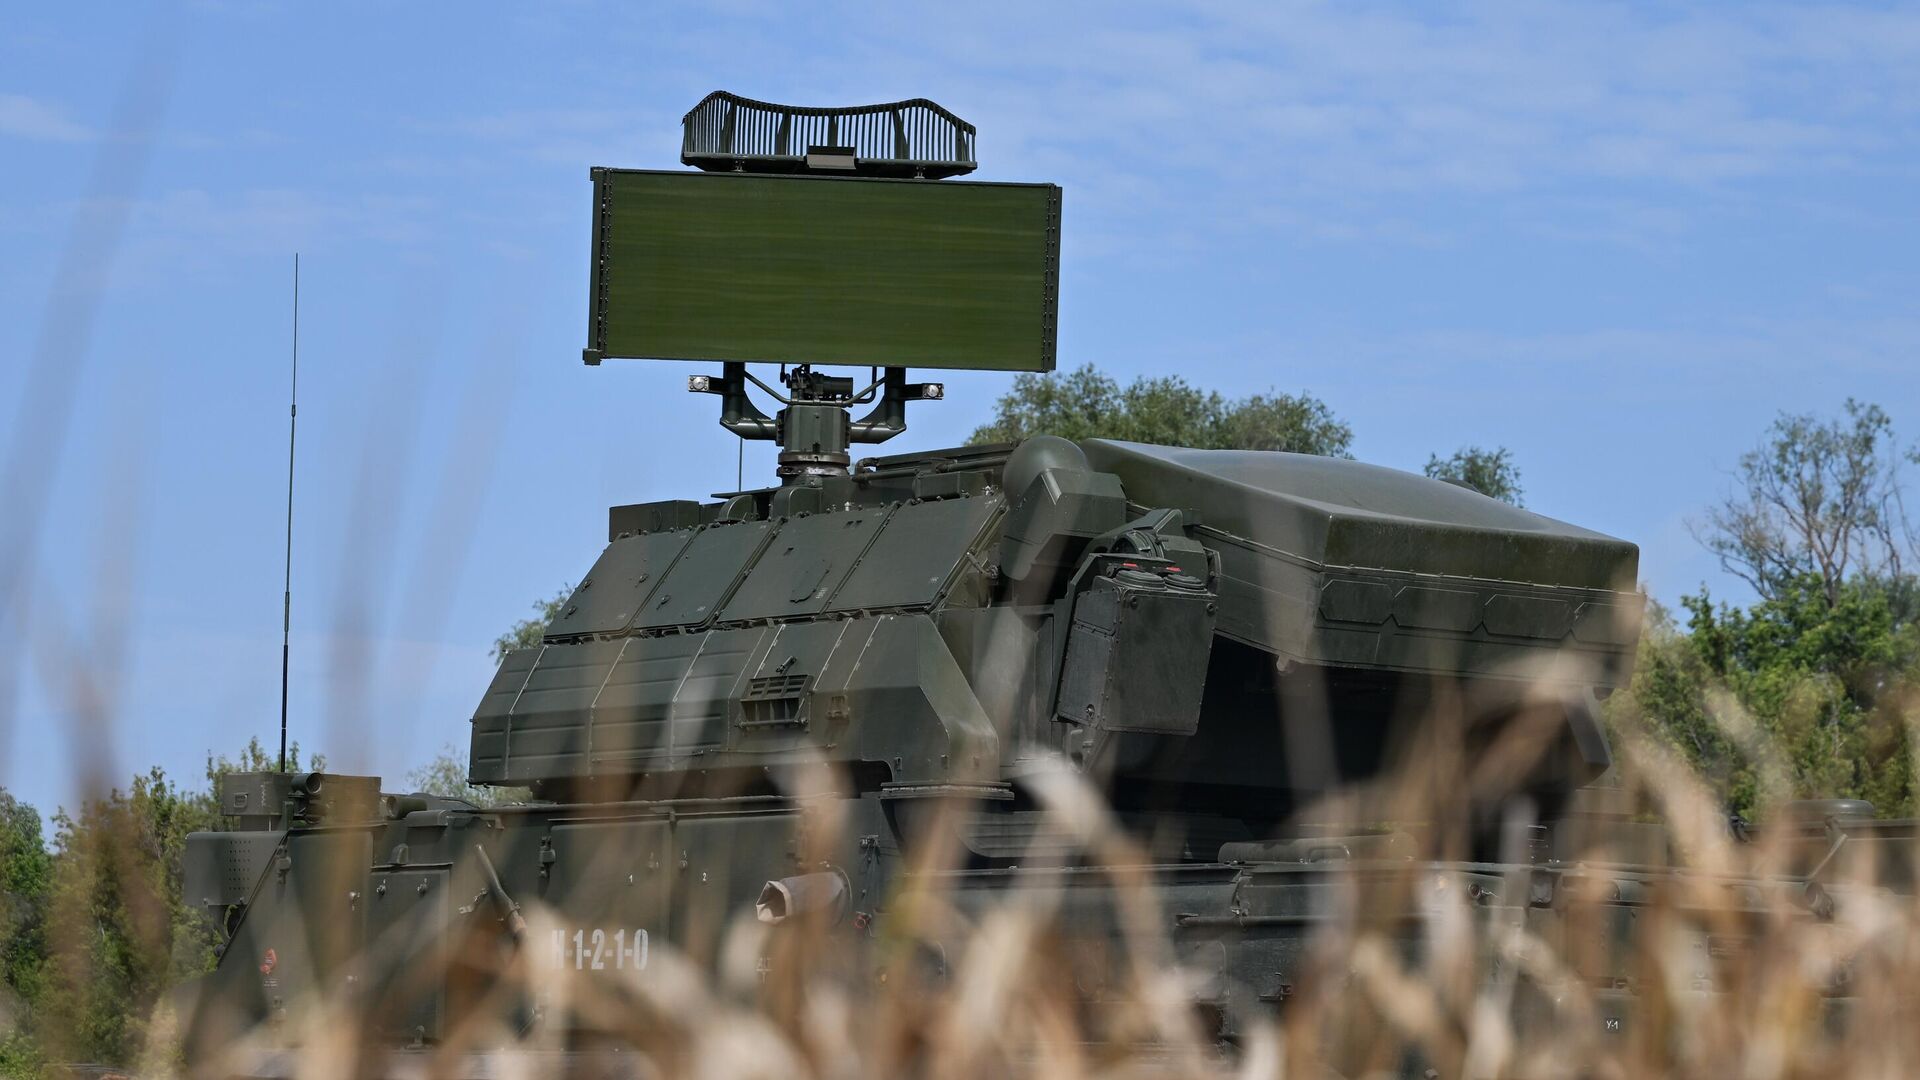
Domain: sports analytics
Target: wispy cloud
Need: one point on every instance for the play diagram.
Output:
(23, 117)
(1337, 110)
(191, 228)
(273, 219)
(1322, 121)
(571, 135)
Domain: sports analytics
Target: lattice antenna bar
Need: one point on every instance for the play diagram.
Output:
(911, 138)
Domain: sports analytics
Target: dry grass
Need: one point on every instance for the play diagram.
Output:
(1732, 966)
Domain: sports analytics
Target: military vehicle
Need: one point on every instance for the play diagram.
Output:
(907, 647)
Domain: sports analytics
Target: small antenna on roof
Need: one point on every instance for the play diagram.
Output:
(286, 594)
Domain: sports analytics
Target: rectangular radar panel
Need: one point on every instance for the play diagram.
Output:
(824, 270)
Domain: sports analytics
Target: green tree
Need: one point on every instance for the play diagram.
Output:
(119, 932)
(1816, 497)
(1825, 678)
(1823, 685)
(1669, 697)
(446, 776)
(1489, 472)
(1087, 404)
(1825, 663)
(26, 878)
(257, 758)
(526, 633)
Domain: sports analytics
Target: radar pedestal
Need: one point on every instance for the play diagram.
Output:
(815, 426)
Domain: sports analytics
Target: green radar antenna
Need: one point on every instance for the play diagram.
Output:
(816, 237)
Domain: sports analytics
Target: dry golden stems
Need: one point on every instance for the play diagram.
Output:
(1002, 1015)
(1078, 808)
(1451, 980)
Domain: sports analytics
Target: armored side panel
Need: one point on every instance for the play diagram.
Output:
(617, 588)
(804, 566)
(1137, 654)
(654, 517)
(746, 643)
(1334, 562)
(1052, 518)
(702, 577)
(304, 922)
(262, 800)
(222, 867)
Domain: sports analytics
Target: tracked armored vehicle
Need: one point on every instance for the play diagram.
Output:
(1220, 642)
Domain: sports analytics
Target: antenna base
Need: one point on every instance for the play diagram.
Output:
(815, 429)
(813, 441)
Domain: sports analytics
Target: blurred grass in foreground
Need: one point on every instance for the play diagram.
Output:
(1734, 964)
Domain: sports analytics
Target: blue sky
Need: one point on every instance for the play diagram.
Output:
(1617, 239)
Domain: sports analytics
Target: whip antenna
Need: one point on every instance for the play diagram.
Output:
(286, 594)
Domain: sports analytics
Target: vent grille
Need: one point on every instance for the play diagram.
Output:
(775, 686)
(774, 701)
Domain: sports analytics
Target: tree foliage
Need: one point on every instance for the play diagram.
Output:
(526, 633)
(1087, 404)
(26, 880)
(1793, 696)
(1489, 472)
(94, 931)
(119, 932)
(1807, 691)
(256, 758)
(446, 776)
(1816, 497)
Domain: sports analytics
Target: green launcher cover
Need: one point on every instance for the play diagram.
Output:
(824, 270)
